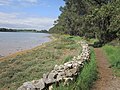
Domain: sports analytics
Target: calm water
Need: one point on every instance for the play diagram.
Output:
(11, 42)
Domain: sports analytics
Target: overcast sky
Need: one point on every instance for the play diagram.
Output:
(29, 14)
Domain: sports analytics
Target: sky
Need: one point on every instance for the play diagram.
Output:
(29, 14)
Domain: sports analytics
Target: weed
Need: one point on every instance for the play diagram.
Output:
(113, 53)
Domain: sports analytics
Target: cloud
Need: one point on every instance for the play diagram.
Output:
(28, 1)
(17, 3)
(31, 1)
(14, 20)
(5, 2)
(23, 3)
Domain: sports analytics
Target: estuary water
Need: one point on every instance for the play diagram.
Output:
(11, 42)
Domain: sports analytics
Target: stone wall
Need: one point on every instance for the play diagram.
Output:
(60, 73)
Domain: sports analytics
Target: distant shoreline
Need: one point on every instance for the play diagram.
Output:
(4, 52)
(23, 51)
(23, 30)
(52, 38)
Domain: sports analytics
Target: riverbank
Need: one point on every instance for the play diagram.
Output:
(12, 42)
(22, 52)
(32, 64)
(52, 38)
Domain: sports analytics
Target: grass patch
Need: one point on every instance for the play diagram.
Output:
(67, 59)
(113, 54)
(31, 65)
(85, 79)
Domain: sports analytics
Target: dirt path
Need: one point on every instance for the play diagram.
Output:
(106, 80)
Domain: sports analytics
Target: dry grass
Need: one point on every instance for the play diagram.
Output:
(31, 64)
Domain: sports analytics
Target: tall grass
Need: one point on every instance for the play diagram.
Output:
(113, 53)
(33, 64)
(85, 79)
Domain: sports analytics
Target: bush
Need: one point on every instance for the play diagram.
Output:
(97, 44)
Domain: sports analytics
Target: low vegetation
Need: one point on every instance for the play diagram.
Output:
(30, 65)
(85, 79)
(113, 53)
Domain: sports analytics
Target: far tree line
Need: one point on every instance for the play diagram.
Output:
(22, 30)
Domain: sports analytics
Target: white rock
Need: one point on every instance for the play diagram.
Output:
(40, 85)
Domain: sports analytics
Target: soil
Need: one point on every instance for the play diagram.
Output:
(106, 79)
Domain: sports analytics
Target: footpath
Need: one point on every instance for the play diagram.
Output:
(106, 79)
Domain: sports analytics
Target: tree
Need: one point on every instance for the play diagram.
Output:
(90, 18)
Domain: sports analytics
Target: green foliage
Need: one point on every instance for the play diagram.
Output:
(113, 53)
(85, 79)
(90, 18)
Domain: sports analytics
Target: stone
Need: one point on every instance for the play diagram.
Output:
(67, 80)
(45, 75)
(74, 70)
(51, 77)
(80, 62)
(68, 73)
(47, 81)
(35, 81)
(56, 67)
(27, 86)
(60, 76)
(67, 66)
(50, 87)
(75, 64)
(84, 47)
(74, 58)
(79, 57)
(40, 84)
(22, 88)
(61, 73)
(59, 68)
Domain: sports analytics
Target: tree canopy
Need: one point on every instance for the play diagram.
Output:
(90, 18)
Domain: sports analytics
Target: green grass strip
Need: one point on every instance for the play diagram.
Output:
(113, 54)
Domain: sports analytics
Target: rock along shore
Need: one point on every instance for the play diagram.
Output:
(61, 73)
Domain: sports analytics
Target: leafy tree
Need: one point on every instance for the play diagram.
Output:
(90, 18)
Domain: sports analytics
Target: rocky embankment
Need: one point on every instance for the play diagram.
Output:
(61, 73)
